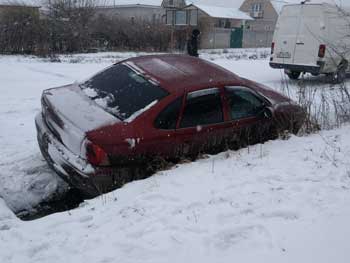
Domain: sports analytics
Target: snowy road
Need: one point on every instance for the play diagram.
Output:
(284, 201)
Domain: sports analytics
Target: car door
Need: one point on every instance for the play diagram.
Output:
(160, 139)
(202, 124)
(250, 119)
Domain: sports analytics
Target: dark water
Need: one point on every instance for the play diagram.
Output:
(70, 200)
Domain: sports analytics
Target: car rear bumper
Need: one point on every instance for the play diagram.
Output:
(300, 68)
(92, 181)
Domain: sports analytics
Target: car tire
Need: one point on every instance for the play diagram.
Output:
(294, 75)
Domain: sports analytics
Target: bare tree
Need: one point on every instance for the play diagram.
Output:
(69, 23)
(122, 34)
(20, 29)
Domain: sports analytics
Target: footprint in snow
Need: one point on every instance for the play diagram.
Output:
(286, 215)
(36, 250)
(246, 236)
(85, 219)
(159, 197)
(4, 227)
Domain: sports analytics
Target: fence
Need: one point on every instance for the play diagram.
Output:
(253, 39)
(216, 38)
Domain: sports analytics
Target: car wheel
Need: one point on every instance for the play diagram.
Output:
(294, 75)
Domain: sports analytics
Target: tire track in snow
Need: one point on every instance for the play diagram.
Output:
(36, 70)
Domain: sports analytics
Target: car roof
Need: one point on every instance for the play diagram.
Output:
(180, 73)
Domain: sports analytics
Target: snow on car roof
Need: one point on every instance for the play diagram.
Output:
(178, 72)
(223, 12)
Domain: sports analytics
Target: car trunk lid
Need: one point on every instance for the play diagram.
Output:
(70, 114)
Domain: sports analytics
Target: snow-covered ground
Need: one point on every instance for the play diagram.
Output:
(284, 201)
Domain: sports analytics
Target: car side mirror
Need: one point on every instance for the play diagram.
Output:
(266, 112)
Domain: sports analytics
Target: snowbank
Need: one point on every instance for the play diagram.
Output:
(284, 201)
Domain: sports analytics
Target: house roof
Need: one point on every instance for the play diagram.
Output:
(278, 4)
(31, 3)
(222, 3)
(223, 12)
(129, 2)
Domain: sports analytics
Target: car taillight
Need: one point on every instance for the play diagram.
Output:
(272, 48)
(322, 51)
(96, 155)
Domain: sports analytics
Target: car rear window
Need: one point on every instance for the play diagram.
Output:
(122, 91)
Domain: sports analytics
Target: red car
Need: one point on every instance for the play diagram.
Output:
(127, 120)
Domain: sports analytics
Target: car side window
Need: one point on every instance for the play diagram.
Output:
(243, 103)
(202, 107)
(167, 119)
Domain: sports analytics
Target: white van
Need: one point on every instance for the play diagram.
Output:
(312, 38)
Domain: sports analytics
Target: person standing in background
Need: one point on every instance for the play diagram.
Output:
(192, 43)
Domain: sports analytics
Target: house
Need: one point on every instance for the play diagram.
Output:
(221, 25)
(132, 10)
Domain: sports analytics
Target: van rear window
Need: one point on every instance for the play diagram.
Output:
(121, 91)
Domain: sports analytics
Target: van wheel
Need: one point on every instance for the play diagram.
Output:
(294, 75)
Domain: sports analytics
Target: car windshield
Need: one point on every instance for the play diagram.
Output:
(122, 91)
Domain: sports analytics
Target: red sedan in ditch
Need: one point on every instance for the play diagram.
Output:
(138, 114)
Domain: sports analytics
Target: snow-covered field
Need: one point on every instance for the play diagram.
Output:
(284, 201)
